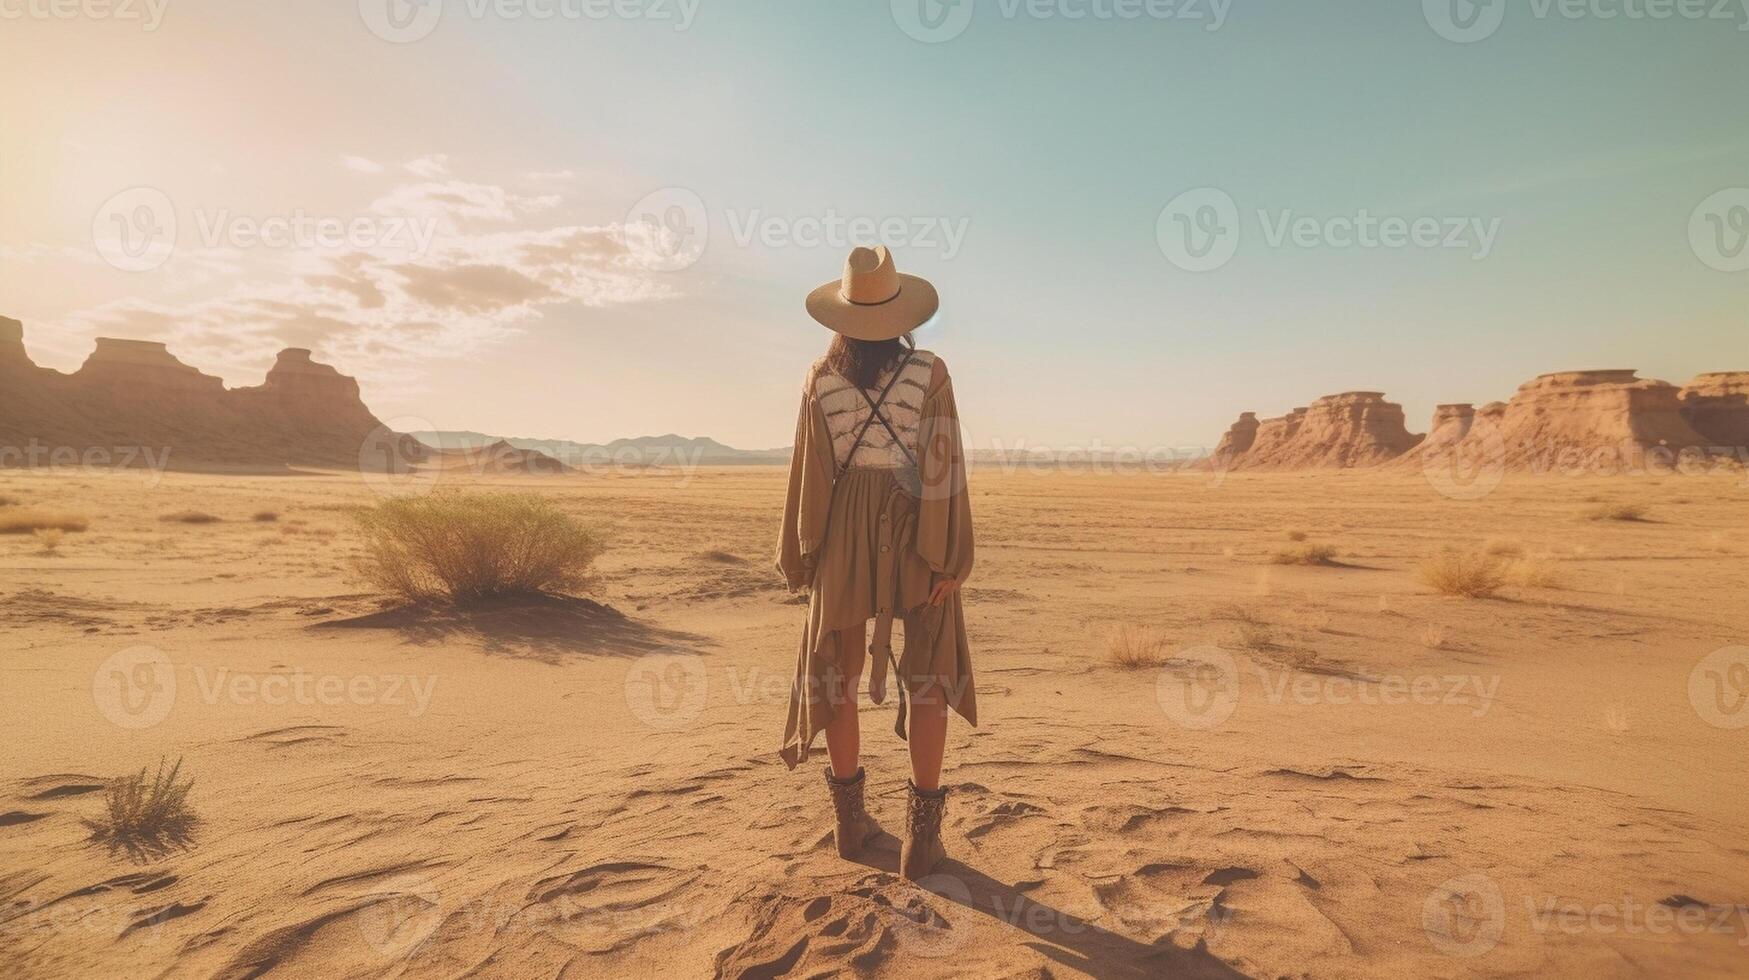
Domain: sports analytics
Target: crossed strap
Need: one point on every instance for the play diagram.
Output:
(876, 415)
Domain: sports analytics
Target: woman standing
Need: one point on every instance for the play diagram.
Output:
(878, 526)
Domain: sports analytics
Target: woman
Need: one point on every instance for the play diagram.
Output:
(878, 526)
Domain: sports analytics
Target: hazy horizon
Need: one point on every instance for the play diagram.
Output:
(493, 270)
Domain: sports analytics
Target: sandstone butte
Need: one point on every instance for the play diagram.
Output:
(133, 403)
(1613, 419)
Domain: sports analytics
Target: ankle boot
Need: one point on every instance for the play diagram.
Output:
(923, 849)
(854, 826)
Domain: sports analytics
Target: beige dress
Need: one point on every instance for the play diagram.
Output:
(868, 535)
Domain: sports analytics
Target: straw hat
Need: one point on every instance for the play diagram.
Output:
(873, 301)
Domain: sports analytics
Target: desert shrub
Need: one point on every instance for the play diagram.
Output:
(1305, 554)
(1618, 512)
(146, 811)
(189, 517)
(48, 539)
(29, 520)
(1134, 647)
(1296, 535)
(1472, 574)
(265, 516)
(467, 547)
(1256, 636)
(1534, 573)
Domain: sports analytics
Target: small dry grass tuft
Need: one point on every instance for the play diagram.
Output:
(1618, 512)
(1235, 612)
(1536, 572)
(1471, 574)
(29, 520)
(1135, 647)
(48, 539)
(265, 516)
(1296, 535)
(720, 557)
(467, 547)
(1305, 554)
(146, 814)
(1256, 636)
(189, 517)
(1503, 547)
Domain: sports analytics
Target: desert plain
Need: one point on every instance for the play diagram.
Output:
(1317, 770)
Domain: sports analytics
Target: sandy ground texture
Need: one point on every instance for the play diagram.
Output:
(1334, 771)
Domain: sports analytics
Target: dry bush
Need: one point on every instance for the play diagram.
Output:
(29, 520)
(1618, 512)
(265, 516)
(1134, 647)
(146, 813)
(1503, 547)
(1472, 574)
(189, 517)
(1536, 572)
(1256, 636)
(1305, 554)
(1296, 535)
(48, 539)
(468, 547)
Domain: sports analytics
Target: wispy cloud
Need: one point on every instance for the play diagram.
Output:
(360, 165)
(432, 166)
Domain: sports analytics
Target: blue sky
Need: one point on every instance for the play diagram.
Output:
(1584, 142)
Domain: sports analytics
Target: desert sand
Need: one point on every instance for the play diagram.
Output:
(1545, 783)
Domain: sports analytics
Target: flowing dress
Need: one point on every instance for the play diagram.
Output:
(867, 535)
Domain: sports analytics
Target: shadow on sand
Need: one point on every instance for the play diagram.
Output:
(1066, 939)
(548, 628)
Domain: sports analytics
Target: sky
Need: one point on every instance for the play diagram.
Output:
(593, 219)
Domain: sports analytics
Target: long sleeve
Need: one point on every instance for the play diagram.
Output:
(809, 503)
(944, 520)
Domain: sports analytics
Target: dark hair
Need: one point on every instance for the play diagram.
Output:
(862, 362)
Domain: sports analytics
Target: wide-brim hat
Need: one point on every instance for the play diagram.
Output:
(874, 301)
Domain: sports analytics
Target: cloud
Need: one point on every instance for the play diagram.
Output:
(381, 312)
(359, 165)
(431, 167)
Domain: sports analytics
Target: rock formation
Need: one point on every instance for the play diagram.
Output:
(132, 402)
(1717, 407)
(1356, 428)
(1570, 421)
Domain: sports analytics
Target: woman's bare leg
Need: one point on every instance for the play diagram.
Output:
(928, 736)
(844, 734)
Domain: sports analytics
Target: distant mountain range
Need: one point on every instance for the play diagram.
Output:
(668, 450)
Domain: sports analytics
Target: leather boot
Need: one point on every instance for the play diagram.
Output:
(923, 849)
(854, 826)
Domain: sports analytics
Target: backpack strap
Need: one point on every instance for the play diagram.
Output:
(875, 414)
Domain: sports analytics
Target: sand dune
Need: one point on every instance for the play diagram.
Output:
(590, 787)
